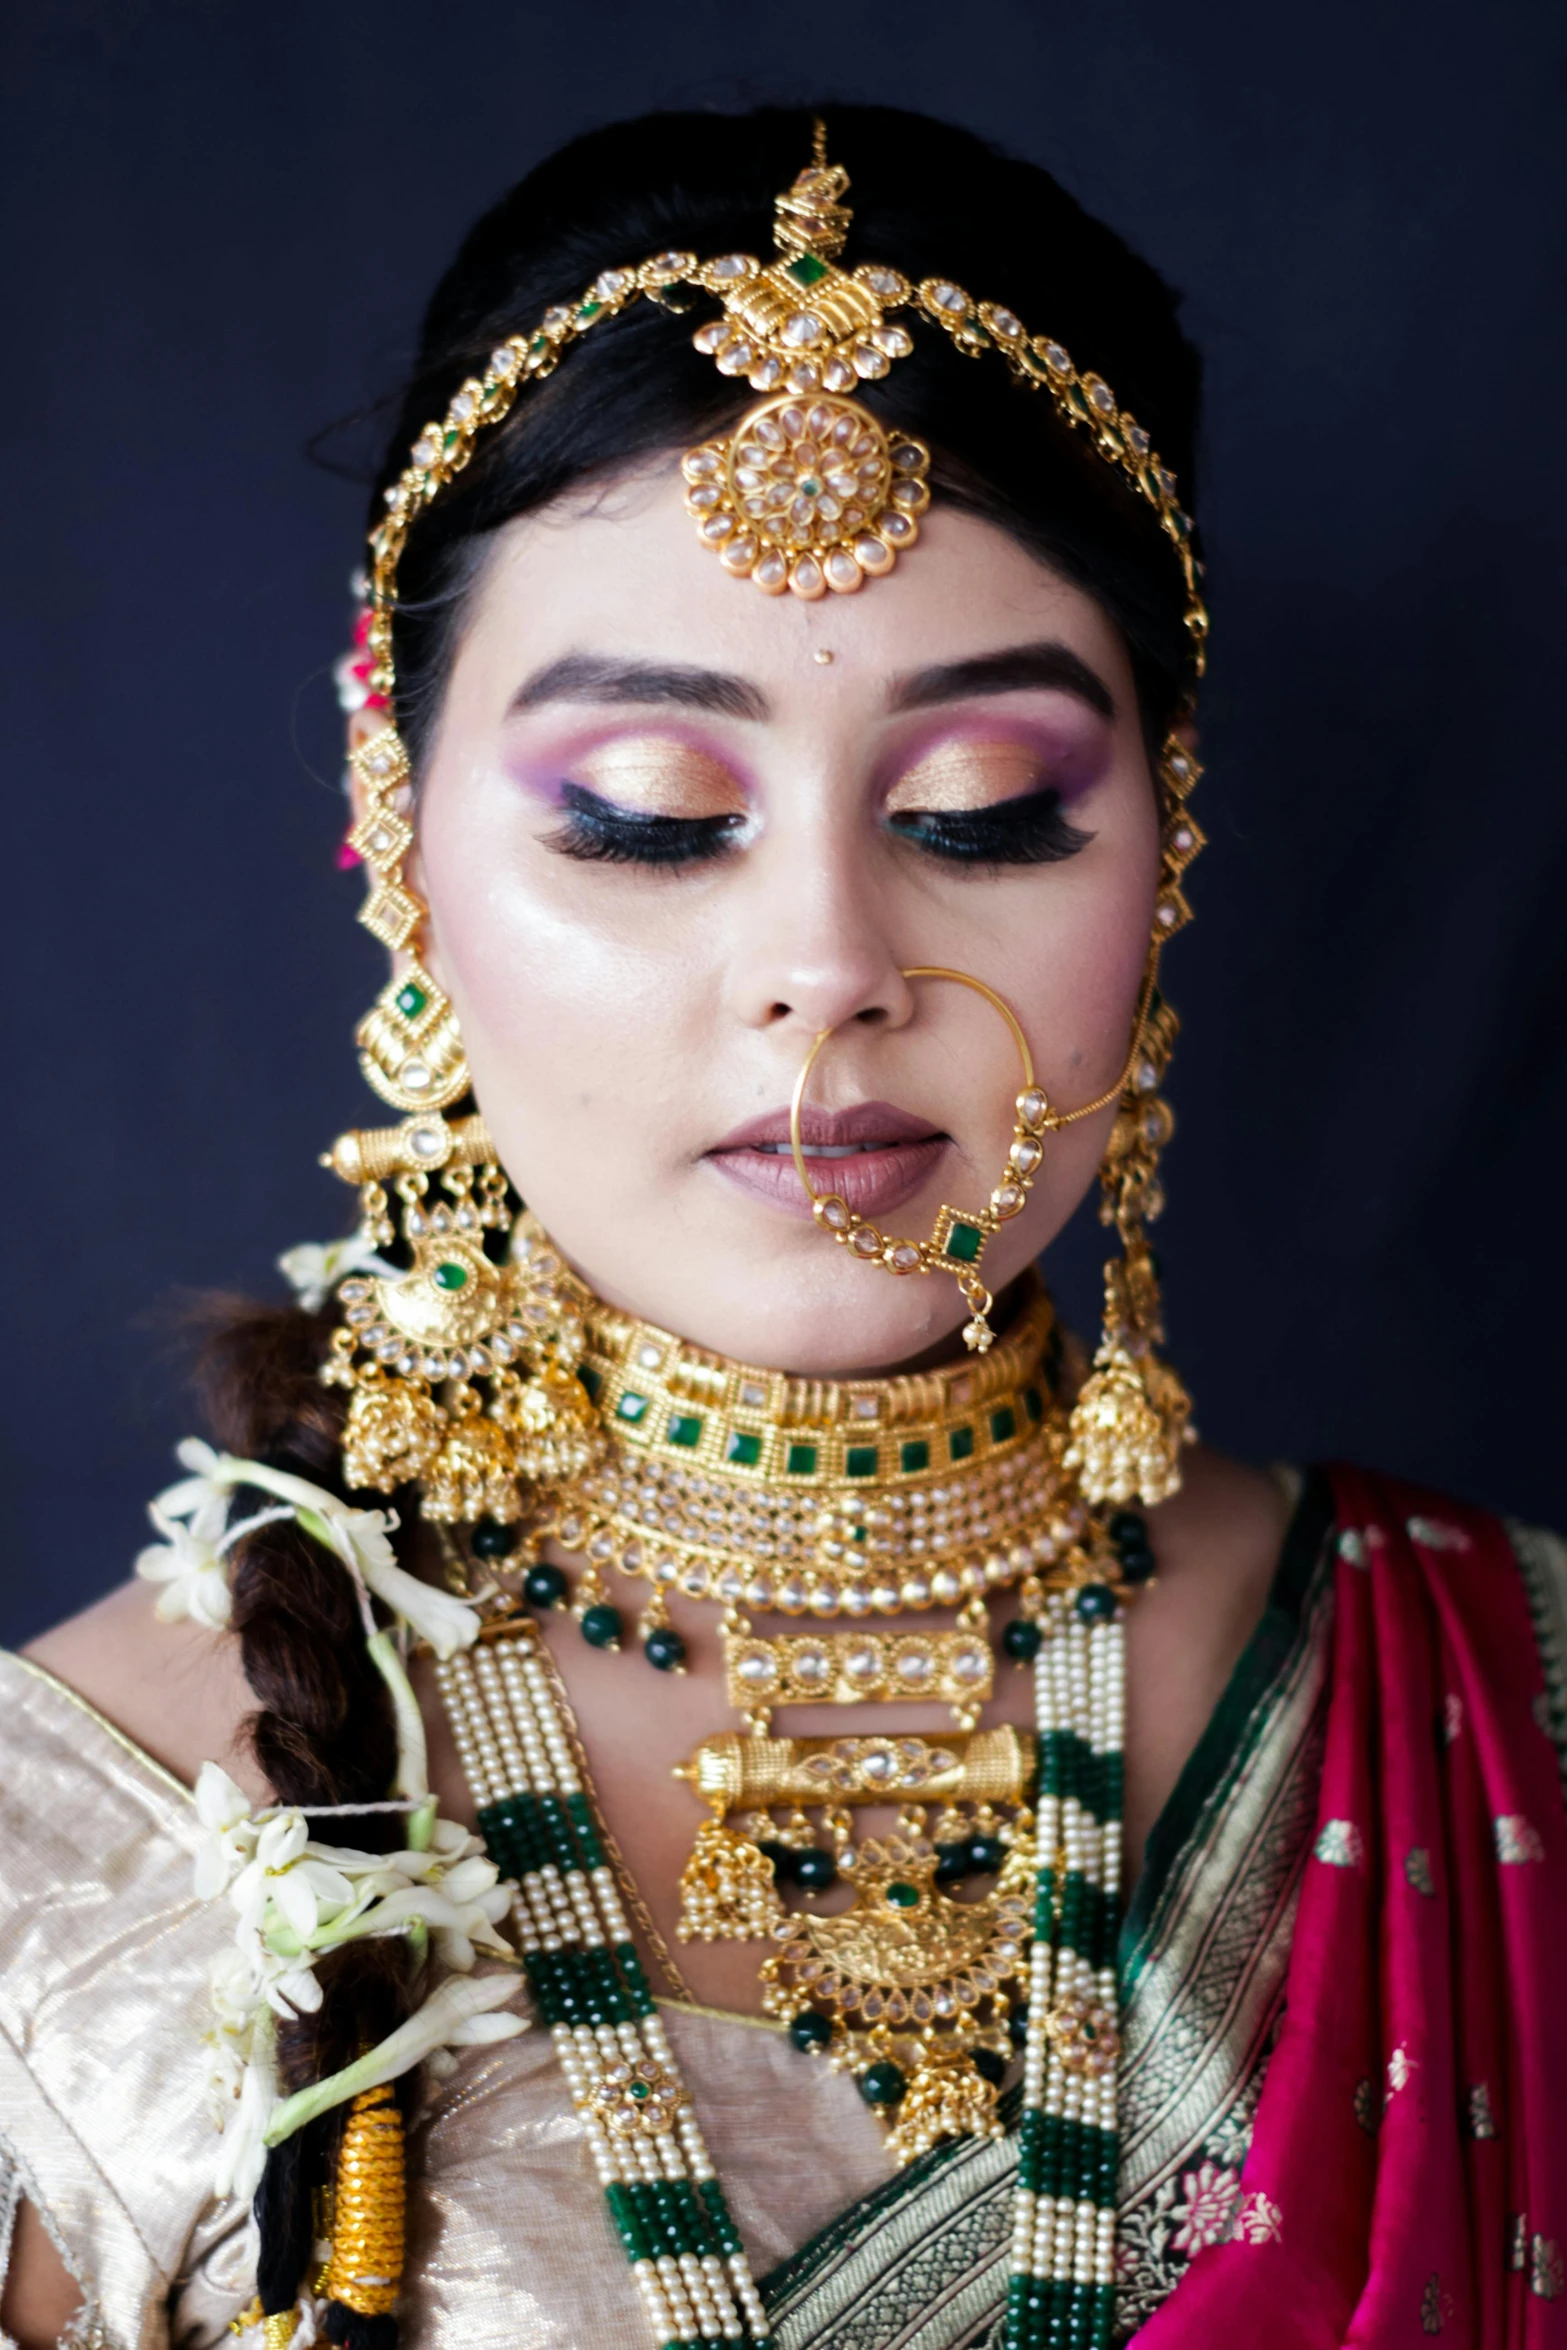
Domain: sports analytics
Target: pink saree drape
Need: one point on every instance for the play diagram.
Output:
(1407, 2176)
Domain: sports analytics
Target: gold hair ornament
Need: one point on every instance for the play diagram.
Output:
(366, 2263)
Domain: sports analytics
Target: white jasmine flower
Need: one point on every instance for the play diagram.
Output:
(242, 2153)
(458, 2014)
(287, 1874)
(203, 1496)
(193, 1572)
(459, 1930)
(315, 1268)
(224, 1811)
(360, 1539)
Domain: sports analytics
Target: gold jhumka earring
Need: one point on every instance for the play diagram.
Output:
(526, 1415)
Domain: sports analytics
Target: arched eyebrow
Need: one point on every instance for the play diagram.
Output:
(595, 677)
(1048, 664)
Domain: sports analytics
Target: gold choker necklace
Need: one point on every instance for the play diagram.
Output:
(812, 1497)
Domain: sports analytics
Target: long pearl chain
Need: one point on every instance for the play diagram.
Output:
(1064, 2208)
(663, 2193)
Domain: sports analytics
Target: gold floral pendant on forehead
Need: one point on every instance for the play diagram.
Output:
(808, 493)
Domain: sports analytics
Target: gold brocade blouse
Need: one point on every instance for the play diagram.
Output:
(104, 2125)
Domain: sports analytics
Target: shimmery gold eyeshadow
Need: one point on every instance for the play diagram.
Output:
(965, 774)
(657, 775)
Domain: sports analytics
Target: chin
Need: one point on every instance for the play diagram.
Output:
(804, 1307)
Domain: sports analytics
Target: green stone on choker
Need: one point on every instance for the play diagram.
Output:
(745, 1451)
(1003, 1424)
(914, 1456)
(802, 1460)
(684, 1429)
(450, 1276)
(860, 1460)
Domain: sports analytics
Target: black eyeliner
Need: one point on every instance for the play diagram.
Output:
(1029, 830)
(598, 832)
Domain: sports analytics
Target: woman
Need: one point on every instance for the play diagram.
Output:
(794, 956)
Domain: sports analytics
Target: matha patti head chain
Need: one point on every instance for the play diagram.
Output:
(531, 1422)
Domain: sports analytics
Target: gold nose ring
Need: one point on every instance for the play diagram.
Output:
(959, 1235)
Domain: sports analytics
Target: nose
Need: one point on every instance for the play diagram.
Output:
(812, 944)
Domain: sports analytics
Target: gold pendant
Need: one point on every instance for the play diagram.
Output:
(908, 1988)
(913, 1985)
(735, 1773)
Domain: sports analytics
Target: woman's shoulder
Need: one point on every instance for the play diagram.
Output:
(105, 1953)
(102, 1941)
(174, 1692)
(93, 1820)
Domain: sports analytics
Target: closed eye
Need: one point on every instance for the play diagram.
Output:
(598, 832)
(1028, 830)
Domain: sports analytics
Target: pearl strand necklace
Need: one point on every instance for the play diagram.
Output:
(663, 2193)
(1064, 2208)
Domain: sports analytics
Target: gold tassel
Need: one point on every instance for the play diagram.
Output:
(1127, 1428)
(1131, 1418)
(554, 1430)
(948, 2097)
(394, 1433)
(475, 1473)
(727, 1889)
(367, 2240)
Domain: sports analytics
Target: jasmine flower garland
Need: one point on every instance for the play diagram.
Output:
(296, 1898)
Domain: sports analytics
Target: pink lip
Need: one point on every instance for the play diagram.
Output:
(902, 1154)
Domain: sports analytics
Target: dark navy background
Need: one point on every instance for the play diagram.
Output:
(220, 225)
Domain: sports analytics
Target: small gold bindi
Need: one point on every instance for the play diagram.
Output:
(821, 654)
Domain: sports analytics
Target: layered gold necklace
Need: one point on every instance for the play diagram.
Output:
(862, 1508)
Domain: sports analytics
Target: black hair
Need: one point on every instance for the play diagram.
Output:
(929, 199)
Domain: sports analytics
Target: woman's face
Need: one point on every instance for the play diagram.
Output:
(670, 828)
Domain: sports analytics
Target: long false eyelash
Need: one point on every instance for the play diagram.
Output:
(598, 833)
(1030, 830)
